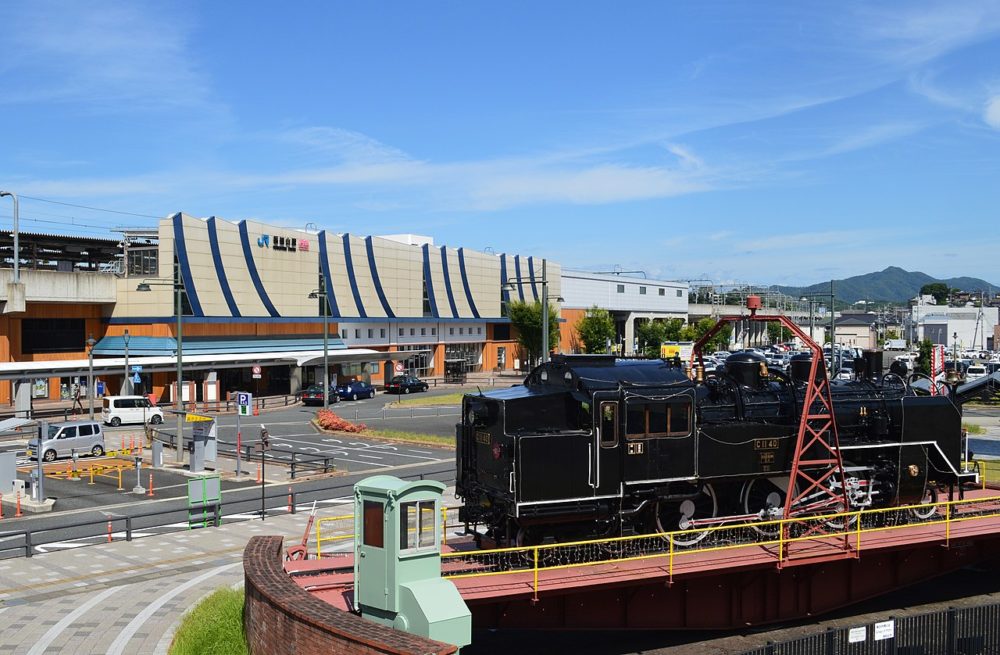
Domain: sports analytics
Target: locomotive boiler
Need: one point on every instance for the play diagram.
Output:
(592, 446)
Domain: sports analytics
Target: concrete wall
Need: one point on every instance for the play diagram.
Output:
(582, 290)
(55, 286)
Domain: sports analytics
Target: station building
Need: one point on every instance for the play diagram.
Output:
(253, 295)
(629, 299)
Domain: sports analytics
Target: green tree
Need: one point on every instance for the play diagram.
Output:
(697, 330)
(777, 332)
(923, 364)
(672, 329)
(650, 334)
(595, 329)
(527, 320)
(939, 290)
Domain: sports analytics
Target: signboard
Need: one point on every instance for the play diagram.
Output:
(100, 387)
(857, 635)
(243, 402)
(136, 378)
(137, 368)
(203, 493)
(399, 367)
(197, 418)
(256, 372)
(885, 630)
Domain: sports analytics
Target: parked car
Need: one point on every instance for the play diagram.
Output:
(84, 437)
(356, 389)
(313, 395)
(975, 372)
(130, 409)
(405, 384)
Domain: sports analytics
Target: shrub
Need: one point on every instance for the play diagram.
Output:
(330, 421)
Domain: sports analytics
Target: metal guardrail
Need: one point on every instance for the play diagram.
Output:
(845, 527)
(952, 631)
(341, 528)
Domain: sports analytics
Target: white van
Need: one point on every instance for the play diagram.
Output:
(64, 439)
(130, 409)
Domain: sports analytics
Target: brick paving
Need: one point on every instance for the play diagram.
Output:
(124, 597)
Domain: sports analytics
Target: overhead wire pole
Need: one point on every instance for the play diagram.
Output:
(178, 288)
(16, 234)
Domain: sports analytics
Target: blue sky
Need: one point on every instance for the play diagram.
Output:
(772, 142)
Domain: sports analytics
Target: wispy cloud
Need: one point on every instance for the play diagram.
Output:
(991, 113)
(112, 56)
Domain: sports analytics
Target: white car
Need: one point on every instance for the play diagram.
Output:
(975, 372)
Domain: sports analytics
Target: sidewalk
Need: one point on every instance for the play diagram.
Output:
(126, 597)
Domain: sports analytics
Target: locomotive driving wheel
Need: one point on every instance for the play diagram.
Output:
(674, 516)
(766, 498)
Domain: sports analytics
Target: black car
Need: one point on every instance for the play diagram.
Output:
(405, 384)
(356, 389)
(313, 395)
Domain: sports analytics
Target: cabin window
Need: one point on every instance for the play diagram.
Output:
(609, 424)
(671, 418)
(373, 526)
(416, 525)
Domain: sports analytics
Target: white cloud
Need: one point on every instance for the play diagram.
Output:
(991, 113)
(115, 56)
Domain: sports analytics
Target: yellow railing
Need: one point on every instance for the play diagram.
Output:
(989, 471)
(843, 530)
(341, 528)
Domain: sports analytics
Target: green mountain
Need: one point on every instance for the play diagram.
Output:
(893, 284)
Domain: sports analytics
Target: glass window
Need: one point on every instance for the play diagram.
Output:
(52, 335)
(68, 433)
(621, 288)
(461, 330)
(434, 331)
(86, 430)
(357, 333)
(451, 330)
(416, 525)
(413, 331)
(679, 424)
(663, 292)
(423, 332)
(609, 424)
(381, 333)
(680, 293)
(371, 333)
(373, 528)
(400, 331)
(657, 419)
(635, 420)
(479, 330)
(642, 291)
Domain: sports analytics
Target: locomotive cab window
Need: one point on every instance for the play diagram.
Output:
(609, 424)
(373, 527)
(671, 418)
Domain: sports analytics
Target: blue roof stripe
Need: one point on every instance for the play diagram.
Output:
(429, 282)
(350, 277)
(252, 269)
(182, 261)
(465, 283)
(378, 284)
(447, 281)
(519, 277)
(531, 274)
(115, 346)
(504, 289)
(324, 263)
(220, 271)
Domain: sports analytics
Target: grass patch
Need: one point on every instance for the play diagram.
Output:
(433, 401)
(972, 428)
(213, 627)
(411, 437)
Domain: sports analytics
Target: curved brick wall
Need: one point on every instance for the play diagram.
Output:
(282, 618)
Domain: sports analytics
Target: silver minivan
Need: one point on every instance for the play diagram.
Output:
(81, 436)
(130, 409)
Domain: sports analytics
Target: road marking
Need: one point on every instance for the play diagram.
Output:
(42, 644)
(332, 441)
(365, 447)
(118, 645)
(369, 456)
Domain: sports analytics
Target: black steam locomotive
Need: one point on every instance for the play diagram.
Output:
(592, 446)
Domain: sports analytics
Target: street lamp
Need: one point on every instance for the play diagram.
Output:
(90, 373)
(513, 282)
(17, 245)
(127, 383)
(178, 286)
(318, 293)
